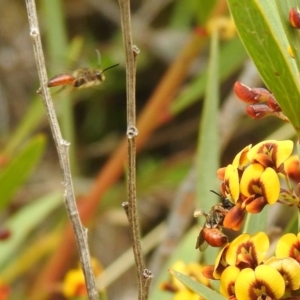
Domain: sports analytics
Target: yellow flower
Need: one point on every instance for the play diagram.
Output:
(246, 251)
(260, 186)
(289, 269)
(271, 153)
(74, 284)
(74, 281)
(263, 282)
(288, 246)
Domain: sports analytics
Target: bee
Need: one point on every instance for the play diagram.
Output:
(81, 78)
(211, 233)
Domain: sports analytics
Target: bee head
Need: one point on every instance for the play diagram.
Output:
(100, 76)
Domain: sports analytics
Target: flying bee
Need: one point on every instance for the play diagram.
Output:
(81, 78)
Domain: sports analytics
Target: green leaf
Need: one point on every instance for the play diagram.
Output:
(24, 221)
(208, 142)
(19, 168)
(208, 152)
(291, 33)
(262, 33)
(197, 287)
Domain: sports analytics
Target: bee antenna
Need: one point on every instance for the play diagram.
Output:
(99, 57)
(215, 193)
(109, 68)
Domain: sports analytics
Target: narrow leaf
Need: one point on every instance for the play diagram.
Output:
(24, 221)
(19, 168)
(197, 287)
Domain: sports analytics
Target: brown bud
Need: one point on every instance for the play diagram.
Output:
(258, 111)
(244, 93)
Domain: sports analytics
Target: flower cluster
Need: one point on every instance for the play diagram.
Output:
(246, 274)
(253, 180)
(249, 183)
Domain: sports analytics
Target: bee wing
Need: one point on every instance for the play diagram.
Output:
(201, 242)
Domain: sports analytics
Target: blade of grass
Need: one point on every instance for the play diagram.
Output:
(56, 43)
(208, 143)
(197, 287)
(208, 151)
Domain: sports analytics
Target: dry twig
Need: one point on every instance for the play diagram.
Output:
(62, 147)
(144, 276)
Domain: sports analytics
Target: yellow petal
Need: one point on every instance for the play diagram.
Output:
(232, 251)
(270, 185)
(242, 284)
(241, 158)
(285, 244)
(185, 295)
(232, 181)
(227, 281)
(250, 176)
(278, 151)
(284, 150)
(261, 245)
(74, 279)
(265, 280)
(272, 279)
(289, 268)
(259, 148)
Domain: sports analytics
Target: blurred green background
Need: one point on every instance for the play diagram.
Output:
(182, 143)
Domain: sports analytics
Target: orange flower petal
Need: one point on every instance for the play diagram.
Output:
(292, 168)
(254, 205)
(221, 173)
(234, 218)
